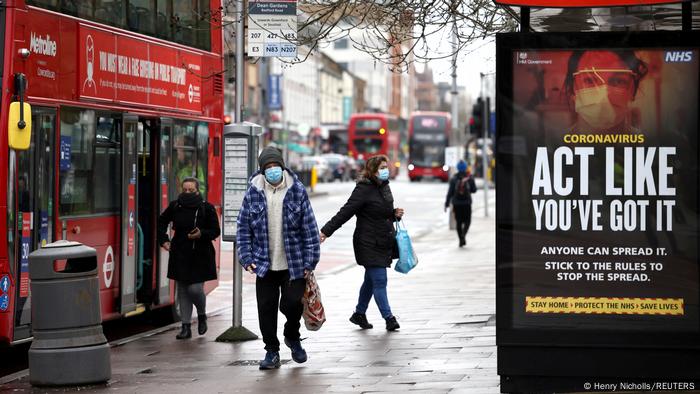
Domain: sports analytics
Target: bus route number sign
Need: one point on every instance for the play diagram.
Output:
(272, 28)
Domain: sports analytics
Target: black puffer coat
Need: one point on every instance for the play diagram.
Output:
(191, 261)
(373, 240)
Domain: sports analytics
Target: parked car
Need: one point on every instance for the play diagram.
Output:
(352, 167)
(337, 166)
(323, 170)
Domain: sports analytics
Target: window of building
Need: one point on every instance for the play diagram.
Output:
(184, 21)
(342, 43)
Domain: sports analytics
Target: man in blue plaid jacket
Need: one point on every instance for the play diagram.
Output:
(278, 241)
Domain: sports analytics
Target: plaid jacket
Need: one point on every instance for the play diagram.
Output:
(301, 238)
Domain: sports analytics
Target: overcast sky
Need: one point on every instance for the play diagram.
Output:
(479, 57)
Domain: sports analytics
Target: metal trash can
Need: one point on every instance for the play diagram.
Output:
(69, 347)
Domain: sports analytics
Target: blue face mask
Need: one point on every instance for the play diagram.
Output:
(273, 174)
(383, 174)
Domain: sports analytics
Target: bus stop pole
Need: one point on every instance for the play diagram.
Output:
(484, 146)
(240, 68)
(237, 332)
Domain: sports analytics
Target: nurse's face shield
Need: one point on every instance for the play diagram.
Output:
(597, 77)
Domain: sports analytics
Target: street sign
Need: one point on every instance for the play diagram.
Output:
(272, 28)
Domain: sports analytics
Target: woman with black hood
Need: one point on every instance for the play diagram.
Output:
(192, 257)
(373, 241)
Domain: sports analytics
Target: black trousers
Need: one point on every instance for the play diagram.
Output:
(463, 217)
(267, 291)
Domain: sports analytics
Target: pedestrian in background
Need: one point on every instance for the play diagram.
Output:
(373, 241)
(459, 193)
(277, 240)
(192, 258)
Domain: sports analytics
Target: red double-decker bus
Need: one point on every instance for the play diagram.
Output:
(126, 101)
(371, 134)
(428, 136)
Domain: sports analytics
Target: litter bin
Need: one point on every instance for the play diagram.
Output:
(69, 347)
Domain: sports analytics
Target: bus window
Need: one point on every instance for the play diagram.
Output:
(77, 140)
(186, 161)
(107, 169)
(368, 146)
(202, 156)
(89, 162)
(139, 16)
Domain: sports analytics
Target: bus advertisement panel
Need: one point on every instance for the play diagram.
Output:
(597, 186)
(428, 136)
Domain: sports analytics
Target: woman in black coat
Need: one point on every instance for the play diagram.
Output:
(192, 257)
(373, 241)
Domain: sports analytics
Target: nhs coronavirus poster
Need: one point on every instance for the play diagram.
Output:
(600, 159)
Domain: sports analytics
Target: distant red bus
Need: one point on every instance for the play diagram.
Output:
(428, 136)
(125, 102)
(371, 134)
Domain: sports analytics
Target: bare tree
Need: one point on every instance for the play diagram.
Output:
(396, 32)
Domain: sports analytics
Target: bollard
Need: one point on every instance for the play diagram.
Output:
(69, 347)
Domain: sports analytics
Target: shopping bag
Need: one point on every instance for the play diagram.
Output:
(314, 315)
(407, 256)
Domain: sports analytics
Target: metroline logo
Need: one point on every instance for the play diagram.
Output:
(41, 45)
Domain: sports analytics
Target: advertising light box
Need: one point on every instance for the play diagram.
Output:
(597, 182)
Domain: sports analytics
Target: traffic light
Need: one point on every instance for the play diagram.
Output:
(476, 123)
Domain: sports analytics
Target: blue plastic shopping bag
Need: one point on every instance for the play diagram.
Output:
(407, 256)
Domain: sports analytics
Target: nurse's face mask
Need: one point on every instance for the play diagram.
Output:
(602, 96)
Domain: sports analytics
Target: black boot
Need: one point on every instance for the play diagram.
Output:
(201, 324)
(185, 332)
(361, 320)
(392, 324)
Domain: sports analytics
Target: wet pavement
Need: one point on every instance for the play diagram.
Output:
(446, 308)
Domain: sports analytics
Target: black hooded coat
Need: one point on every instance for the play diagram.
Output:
(191, 261)
(373, 205)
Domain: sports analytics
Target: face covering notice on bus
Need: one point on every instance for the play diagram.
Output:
(604, 179)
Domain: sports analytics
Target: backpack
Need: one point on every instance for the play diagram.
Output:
(463, 189)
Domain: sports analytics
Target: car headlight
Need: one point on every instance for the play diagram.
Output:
(411, 167)
(445, 168)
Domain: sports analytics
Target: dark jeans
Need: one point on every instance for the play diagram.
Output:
(374, 285)
(268, 291)
(463, 217)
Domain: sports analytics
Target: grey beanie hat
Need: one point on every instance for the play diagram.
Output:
(270, 155)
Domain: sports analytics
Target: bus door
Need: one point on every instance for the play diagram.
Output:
(33, 220)
(164, 139)
(129, 214)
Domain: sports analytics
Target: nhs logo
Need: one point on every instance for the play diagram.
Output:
(678, 56)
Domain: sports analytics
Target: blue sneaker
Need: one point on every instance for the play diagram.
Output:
(298, 352)
(271, 361)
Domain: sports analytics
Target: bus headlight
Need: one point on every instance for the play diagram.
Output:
(411, 167)
(445, 168)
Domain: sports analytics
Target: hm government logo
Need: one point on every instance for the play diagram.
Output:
(522, 58)
(678, 57)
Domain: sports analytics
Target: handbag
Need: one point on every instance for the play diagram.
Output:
(314, 314)
(407, 256)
